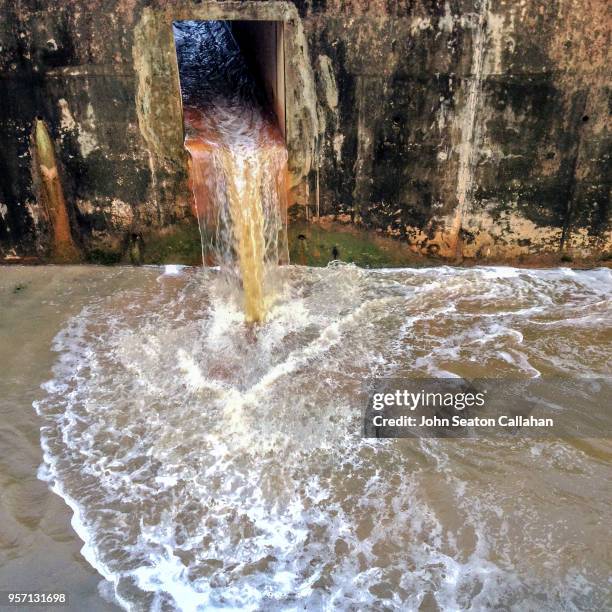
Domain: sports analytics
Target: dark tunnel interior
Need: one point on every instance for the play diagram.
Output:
(229, 58)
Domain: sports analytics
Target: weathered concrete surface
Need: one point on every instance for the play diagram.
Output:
(462, 126)
(466, 128)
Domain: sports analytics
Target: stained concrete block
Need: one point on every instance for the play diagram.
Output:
(456, 126)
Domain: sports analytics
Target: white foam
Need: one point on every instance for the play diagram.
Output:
(214, 465)
(173, 269)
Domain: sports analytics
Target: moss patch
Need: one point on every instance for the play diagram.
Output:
(103, 257)
(179, 245)
(316, 245)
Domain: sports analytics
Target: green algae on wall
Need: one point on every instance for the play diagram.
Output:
(313, 244)
(178, 244)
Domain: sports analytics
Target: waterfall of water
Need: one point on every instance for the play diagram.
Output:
(238, 160)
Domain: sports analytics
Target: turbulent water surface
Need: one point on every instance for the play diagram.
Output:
(211, 464)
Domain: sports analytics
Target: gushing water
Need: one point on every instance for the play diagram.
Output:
(238, 161)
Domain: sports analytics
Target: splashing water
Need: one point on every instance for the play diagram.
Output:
(209, 467)
(238, 161)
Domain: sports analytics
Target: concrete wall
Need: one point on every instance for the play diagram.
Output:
(474, 128)
(262, 44)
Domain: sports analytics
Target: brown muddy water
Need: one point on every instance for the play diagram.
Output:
(238, 160)
(207, 463)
